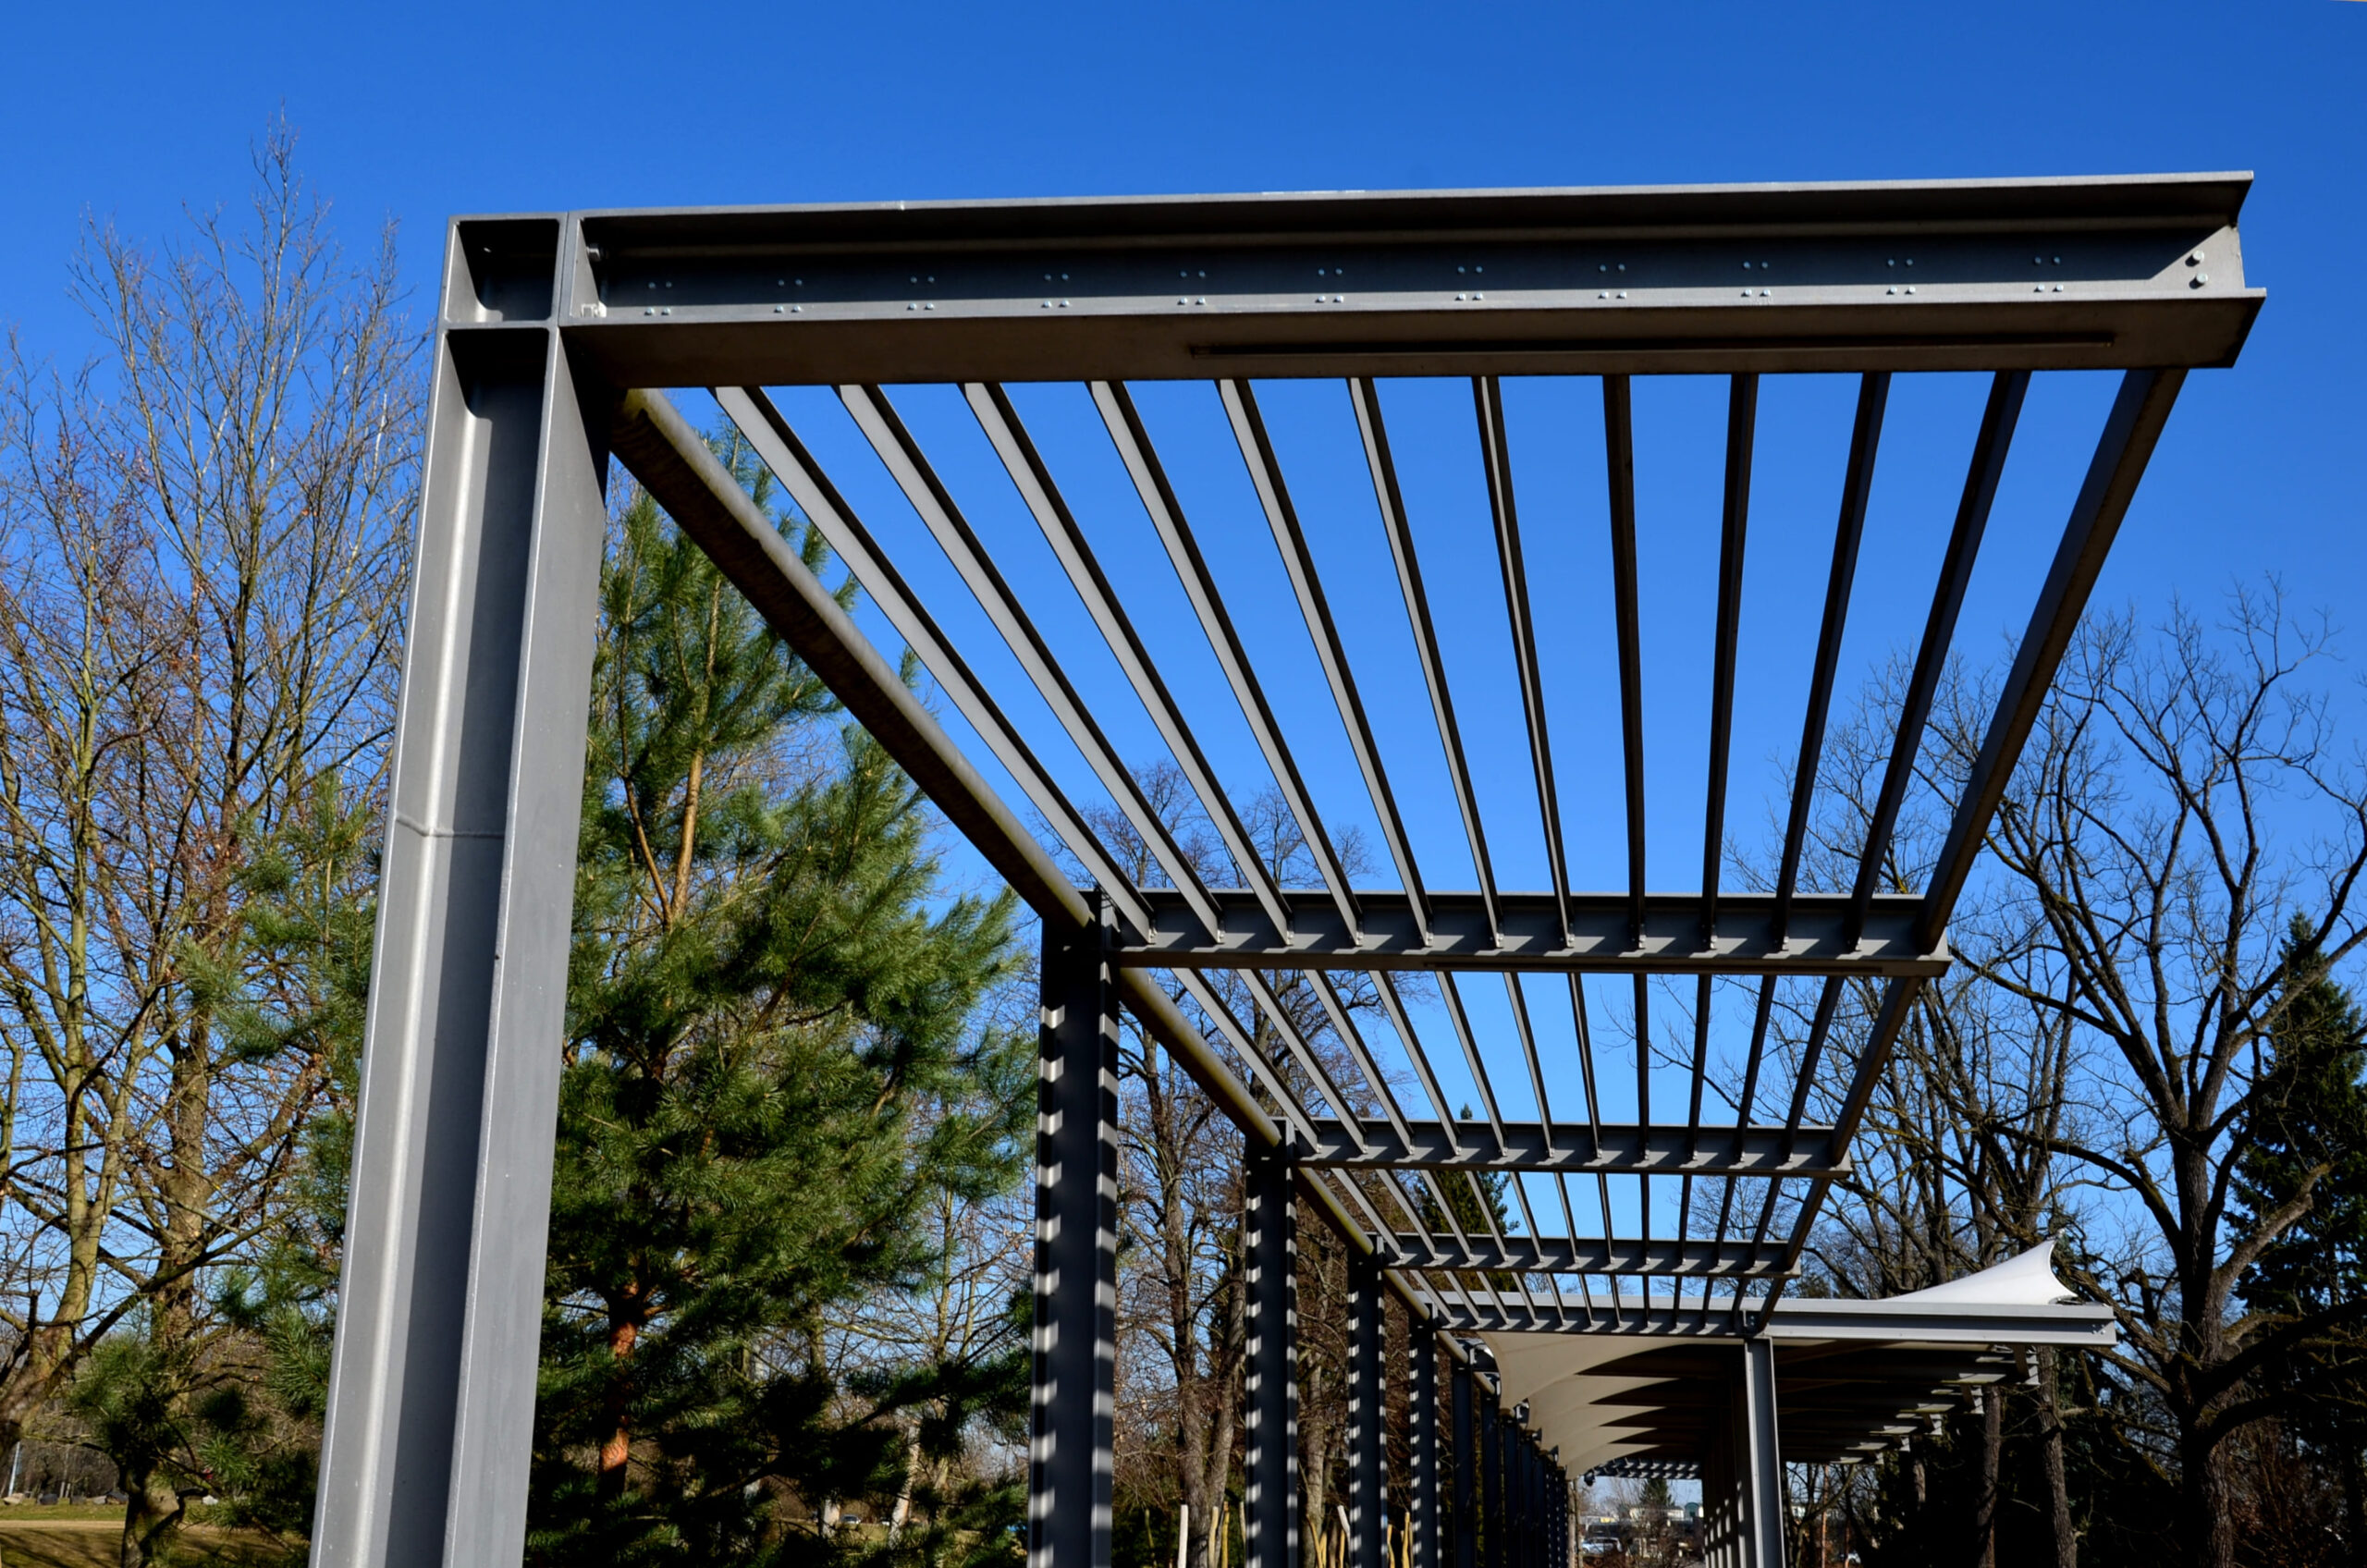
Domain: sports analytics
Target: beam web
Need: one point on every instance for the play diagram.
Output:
(1619, 437)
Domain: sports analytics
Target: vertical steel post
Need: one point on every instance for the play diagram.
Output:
(1758, 1460)
(1561, 1484)
(424, 1452)
(1076, 1251)
(1720, 1495)
(1466, 1471)
(1270, 1506)
(1422, 1443)
(1544, 1507)
(1530, 1502)
(1491, 1438)
(1516, 1494)
(1367, 1390)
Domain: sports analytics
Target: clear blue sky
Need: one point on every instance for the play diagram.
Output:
(420, 112)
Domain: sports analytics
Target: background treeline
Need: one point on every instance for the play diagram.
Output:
(786, 1308)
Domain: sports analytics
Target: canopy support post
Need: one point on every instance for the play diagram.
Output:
(1069, 1462)
(1269, 1510)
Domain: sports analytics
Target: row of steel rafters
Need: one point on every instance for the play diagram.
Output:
(769, 433)
(902, 453)
(2140, 412)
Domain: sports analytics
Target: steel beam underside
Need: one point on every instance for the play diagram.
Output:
(1530, 934)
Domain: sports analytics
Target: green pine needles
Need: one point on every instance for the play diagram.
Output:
(779, 1075)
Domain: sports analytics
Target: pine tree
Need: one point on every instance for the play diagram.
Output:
(2310, 1118)
(775, 1071)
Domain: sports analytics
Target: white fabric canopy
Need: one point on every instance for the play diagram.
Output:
(1847, 1389)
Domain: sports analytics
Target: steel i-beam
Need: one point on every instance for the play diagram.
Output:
(1070, 1464)
(424, 1454)
(1367, 1390)
(1270, 1506)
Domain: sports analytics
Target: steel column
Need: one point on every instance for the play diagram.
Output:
(1466, 1471)
(1076, 1251)
(1532, 1498)
(1491, 1438)
(1422, 1443)
(1271, 1504)
(1368, 1387)
(1758, 1460)
(1516, 1498)
(432, 1390)
(1561, 1483)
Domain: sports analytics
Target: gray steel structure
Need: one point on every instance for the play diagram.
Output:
(557, 338)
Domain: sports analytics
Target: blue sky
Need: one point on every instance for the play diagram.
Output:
(417, 112)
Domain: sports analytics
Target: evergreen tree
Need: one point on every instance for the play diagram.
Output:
(2309, 1119)
(775, 1072)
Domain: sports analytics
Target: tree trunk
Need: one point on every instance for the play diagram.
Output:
(150, 1519)
(2209, 1540)
(1984, 1505)
(616, 1449)
(2058, 1490)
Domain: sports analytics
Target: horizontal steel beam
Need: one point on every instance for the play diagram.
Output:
(1528, 933)
(1895, 1322)
(1656, 1150)
(2077, 273)
(1590, 1255)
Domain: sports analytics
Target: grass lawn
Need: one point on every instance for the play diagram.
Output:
(88, 1536)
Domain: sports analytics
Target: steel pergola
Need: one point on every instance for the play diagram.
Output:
(1349, 1026)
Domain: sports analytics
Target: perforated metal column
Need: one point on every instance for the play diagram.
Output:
(1076, 1253)
(1367, 1388)
(1422, 1443)
(1466, 1524)
(1270, 1508)
(1492, 1463)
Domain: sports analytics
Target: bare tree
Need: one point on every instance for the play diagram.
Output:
(205, 541)
(2181, 803)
